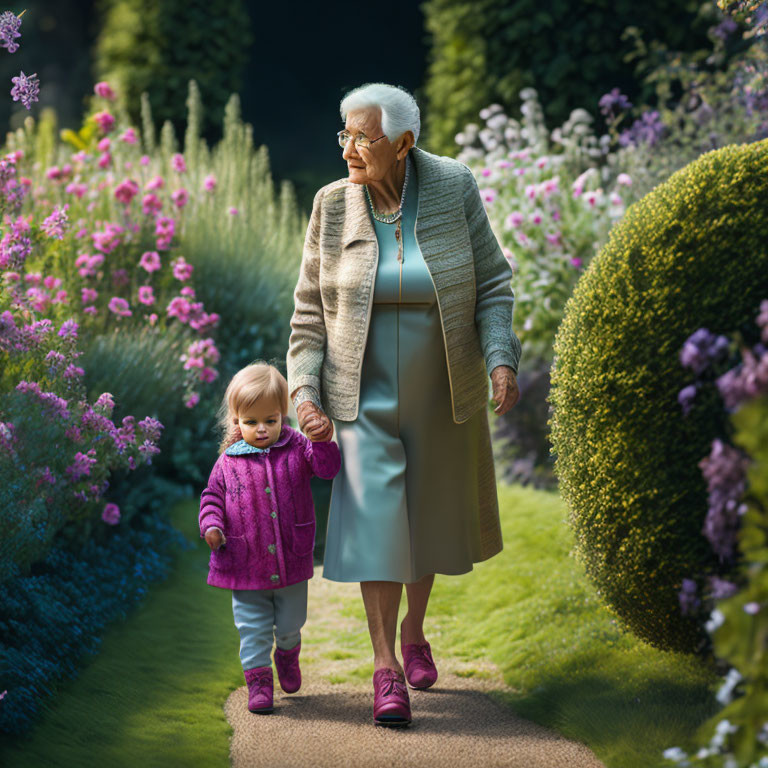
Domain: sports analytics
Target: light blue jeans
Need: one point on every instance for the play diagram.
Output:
(264, 616)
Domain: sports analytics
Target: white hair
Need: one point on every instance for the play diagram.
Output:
(399, 110)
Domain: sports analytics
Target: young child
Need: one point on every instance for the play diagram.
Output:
(258, 518)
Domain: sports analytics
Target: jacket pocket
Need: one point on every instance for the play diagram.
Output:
(303, 542)
(231, 556)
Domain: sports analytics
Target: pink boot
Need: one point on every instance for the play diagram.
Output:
(391, 705)
(260, 689)
(420, 669)
(288, 670)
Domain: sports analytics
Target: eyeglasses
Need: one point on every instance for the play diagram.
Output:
(361, 140)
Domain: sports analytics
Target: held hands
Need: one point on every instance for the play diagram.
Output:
(505, 391)
(313, 422)
(215, 539)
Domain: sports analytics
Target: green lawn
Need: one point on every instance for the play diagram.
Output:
(154, 695)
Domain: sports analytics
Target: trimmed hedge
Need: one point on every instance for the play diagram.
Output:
(691, 253)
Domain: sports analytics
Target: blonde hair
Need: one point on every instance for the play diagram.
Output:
(255, 382)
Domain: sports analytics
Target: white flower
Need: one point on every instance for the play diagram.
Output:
(675, 753)
(496, 121)
(716, 618)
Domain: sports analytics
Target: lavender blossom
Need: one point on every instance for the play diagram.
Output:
(725, 472)
(647, 129)
(721, 589)
(613, 101)
(10, 24)
(701, 349)
(687, 597)
(748, 380)
(685, 398)
(26, 89)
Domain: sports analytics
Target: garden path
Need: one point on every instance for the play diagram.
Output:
(456, 722)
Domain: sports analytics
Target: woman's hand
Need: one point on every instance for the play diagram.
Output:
(505, 391)
(313, 422)
(214, 538)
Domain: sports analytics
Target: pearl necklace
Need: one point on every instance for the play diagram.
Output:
(396, 216)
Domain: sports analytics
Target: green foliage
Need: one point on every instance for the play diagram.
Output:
(486, 51)
(157, 46)
(626, 457)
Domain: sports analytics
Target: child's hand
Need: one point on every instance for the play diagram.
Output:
(214, 538)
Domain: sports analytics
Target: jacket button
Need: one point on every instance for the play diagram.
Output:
(268, 489)
(274, 577)
(272, 548)
(273, 514)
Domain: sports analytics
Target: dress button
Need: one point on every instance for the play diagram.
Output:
(274, 577)
(273, 514)
(272, 548)
(268, 489)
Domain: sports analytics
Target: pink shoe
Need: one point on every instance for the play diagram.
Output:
(391, 705)
(420, 669)
(288, 670)
(260, 689)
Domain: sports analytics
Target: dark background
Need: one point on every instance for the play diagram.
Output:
(305, 57)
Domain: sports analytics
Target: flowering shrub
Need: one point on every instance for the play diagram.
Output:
(624, 452)
(551, 198)
(736, 527)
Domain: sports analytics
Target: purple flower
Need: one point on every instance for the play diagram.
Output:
(178, 164)
(725, 472)
(10, 24)
(111, 514)
(68, 328)
(747, 380)
(647, 129)
(82, 464)
(54, 225)
(721, 588)
(151, 428)
(752, 608)
(687, 597)
(26, 89)
(702, 348)
(615, 100)
(685, 398)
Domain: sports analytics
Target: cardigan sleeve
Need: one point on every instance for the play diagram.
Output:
(495, 297)
(307, 341)
(213, 502)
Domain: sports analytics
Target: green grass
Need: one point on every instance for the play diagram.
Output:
(154, 694)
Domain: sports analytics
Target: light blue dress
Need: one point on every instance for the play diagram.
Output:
(406, 500)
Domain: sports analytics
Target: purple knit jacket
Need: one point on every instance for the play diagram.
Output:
(262, 501)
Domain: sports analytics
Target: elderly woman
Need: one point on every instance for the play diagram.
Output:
(403, 307)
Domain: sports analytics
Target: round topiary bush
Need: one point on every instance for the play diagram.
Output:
(691, 253)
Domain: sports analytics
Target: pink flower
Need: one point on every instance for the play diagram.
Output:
(531, 191)
(192, 400)
(488, 194)
(180, 197)
(129, 136)
(553, 238)
(154, 183)
(111, 514)
(54, 173)
(88, 295)
(76, 188)
(576, 261)
(182, 270)
(104, 90)
(104, 160)
(233, 211)
(514, 220)
(164, 230)
(503, 164)
(151, 205)
(180, 308)
(144, 160)
(625, 179)
(542, 162)
(535, 217)
(146, 296)
(105, 121)
(126, 191)
(209, 183)
(592, 197)
(119, 307)
(120, 277)
(150, 261)
(178, 164)
(152, 318)
(104, 144)
(486, 172)
(107, 241)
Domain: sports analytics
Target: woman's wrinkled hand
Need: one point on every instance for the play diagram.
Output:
(505, 391)
(313, 422)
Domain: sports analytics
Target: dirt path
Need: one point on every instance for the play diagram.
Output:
(329, 722)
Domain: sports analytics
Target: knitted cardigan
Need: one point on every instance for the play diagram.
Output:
(262, 501)
(333, 294)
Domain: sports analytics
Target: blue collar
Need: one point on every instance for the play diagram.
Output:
(242, 447)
